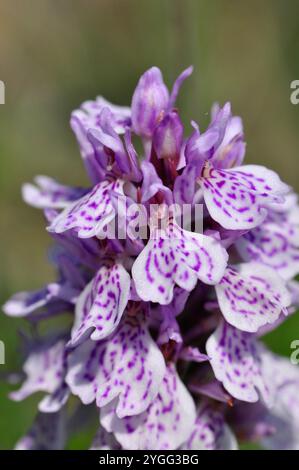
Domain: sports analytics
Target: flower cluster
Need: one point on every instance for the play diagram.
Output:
(164, 337)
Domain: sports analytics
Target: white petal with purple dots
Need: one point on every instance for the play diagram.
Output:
(210, 432)
(166, 423)
(251, 295)
(177, 257)
(45, 370)
(128, 366)
(283, 379)
(271, 245)
(235, 360)
(90, 215)
(237, 198)
(100, 307)
(47, 193)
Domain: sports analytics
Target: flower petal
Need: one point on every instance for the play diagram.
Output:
(88, 117)
(231, 150)
(54, 402)
(236, 198)
(210, 432)
(152, 183)
(24, 303)
(275, 427)
(150, 98)
(49, 194)
(108, 144)
(90, 215)
(44, 368)
(190, 353)
(270, 244)
(201, 147)
(177, 85)
(101, 305)
(251, 295)
(235, 360)
(127, 366)
(185, 184)
(166, 424)
(177, 257)
(283, 379)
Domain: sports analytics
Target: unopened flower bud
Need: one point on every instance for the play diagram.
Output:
(149, 100)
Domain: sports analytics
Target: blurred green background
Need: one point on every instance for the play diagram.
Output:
(56, 54)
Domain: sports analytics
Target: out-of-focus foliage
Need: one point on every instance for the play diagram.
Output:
(54, 55)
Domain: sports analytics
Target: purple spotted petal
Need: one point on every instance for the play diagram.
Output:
(101, 305)
(278, 371)
(283, 379)
(166, 424)
(235, 359)
(47, 193)
(236, 198)
(127, 366)
(104, 440)
(177, 257)
(210, 432)
(286, 216)
(48, 432)
(252, 295)
(270, 244)
(90, 215)
(45, 370)
(61, 293)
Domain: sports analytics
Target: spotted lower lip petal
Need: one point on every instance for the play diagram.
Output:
(172, 409)
(251, 296)
(101, 304)
(236, 362)
(210, 432)
(128, 366)
(90, 215)
(237, 198)
(178, 258)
